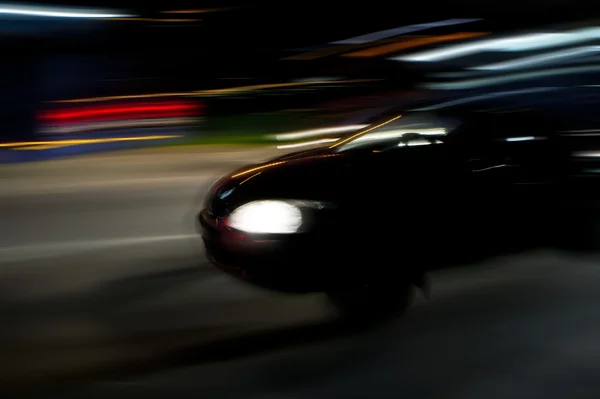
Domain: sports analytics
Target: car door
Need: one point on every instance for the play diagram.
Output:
(507, 163)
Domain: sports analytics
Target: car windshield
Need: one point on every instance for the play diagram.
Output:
(400, 130)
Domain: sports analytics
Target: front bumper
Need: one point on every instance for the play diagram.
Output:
(288, 263)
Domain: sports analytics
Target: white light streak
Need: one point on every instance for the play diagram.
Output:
(529, 42)
(384, 34)
(483, 82)
(528, 138)
(587, 154)
(399, 133)
(539, 59)
(486, 96)
(318, 132)
(57, 12)
(307, 143)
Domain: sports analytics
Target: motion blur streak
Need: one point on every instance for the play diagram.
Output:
(40, 147)
(270, 165)
(401, 132)
(113, 118)
(155, 19)
(312, 55)
(586, 132)
(526, 62)
(278, 85)
(526, 138)
(199, 11)
(318, 132)
(118, 124)
(483, 82)
(258, 168)
(307, 143)
(500, 94)
(366, 131)
(404, 45)
(371, 37)
(587, 154)
(87, 141)
(418, 143)
(118, 116)
(125, 97)
(504, 44)
(57, 13)
(115, 111)
(529, 42)
(57, 248)
(229, 90)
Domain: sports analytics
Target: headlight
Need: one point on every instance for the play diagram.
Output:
(268, 216)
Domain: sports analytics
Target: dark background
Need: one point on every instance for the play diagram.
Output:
(58, 58)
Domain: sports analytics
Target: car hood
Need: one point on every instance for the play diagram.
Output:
(318, 175)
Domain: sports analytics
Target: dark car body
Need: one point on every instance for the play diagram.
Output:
(503, 176)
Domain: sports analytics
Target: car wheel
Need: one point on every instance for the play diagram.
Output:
(371, 302)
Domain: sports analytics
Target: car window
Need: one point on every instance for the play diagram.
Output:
(518, 138)
(400, 130)
(502, 125)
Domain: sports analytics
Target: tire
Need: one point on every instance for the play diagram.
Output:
(371, 302)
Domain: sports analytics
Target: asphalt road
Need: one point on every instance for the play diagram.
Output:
(105, 293)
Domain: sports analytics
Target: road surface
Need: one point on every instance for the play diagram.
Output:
(106, 293)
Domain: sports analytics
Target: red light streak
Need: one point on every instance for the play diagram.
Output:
(144, 110)
(140, 116)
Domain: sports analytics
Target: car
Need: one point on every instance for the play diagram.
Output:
(365, 219)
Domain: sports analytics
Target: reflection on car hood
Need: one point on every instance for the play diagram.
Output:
(307, 175)
(302, 154)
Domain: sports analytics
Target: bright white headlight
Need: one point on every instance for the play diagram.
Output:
(268, 216)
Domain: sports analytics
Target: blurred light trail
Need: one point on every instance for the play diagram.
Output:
(461, 50)
(199, 11)
(153, 19)
(118, 111)
(528, 42)
(121, 124)
(327, 51)
(57, 12)
(407, 44)
(498, 94)
(371, 37)
(56, 248)
(546, 58)
(418, 143)
(276, 85)
(318, 132)
(585, 132)
(125, 97)
(525, 138)
(116, 117)
(587, 154)
(307, 143)
(212, 92)
(484, 82)
(398, 133)
(320, 79)
(85, 141)
(347, 139)
(41, 147)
